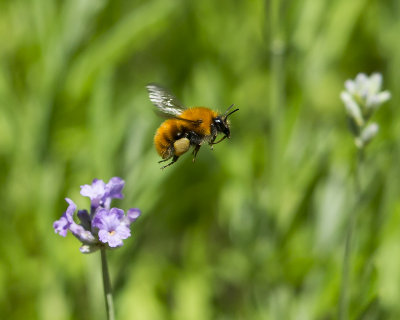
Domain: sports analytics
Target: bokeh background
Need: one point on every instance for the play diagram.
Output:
(254, 229)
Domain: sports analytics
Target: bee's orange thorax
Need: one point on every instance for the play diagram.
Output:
(204, 114)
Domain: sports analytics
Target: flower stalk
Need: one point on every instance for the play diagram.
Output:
(362, 97)
(345, 285)
(108, 297)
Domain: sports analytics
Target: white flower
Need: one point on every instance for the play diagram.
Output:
(362, 97)
(366, 92)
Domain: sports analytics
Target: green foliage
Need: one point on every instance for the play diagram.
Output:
(254, 229)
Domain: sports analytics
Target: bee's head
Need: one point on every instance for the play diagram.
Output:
(222, 126)
(221, 122)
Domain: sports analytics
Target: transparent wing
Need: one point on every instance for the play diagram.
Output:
(165, 101)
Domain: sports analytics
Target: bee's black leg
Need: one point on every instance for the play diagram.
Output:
(212, 142)
(195, 151)
(223, 138)
(174, 159)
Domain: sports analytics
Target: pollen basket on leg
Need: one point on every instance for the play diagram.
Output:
(181, 146)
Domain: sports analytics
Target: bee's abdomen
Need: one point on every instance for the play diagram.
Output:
(165, 137)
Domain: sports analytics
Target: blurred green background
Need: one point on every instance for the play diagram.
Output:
(254, 229)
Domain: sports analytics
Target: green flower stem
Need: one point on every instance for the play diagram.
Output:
(344, 292)
(107, 286)
(277, 97)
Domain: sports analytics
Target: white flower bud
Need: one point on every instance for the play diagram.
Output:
(350, 86)
(352, 108)
(375, 83)
(375, 101)
(367, 135)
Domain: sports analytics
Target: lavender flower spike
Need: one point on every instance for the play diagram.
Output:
(102, 227)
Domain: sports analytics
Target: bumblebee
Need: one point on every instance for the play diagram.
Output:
(185, 127)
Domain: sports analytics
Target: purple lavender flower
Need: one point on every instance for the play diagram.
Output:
(103, 226)
(101, 194)
(131, 215)
(114, 188)
(62, 225)
(95, 192)
(66, 222)
(112, 229)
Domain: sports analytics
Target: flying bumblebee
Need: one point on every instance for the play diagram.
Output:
(185, 127)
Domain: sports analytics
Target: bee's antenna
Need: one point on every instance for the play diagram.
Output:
(228, 109)
(226, 114)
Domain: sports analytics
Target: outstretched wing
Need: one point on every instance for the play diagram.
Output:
(165, 101)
